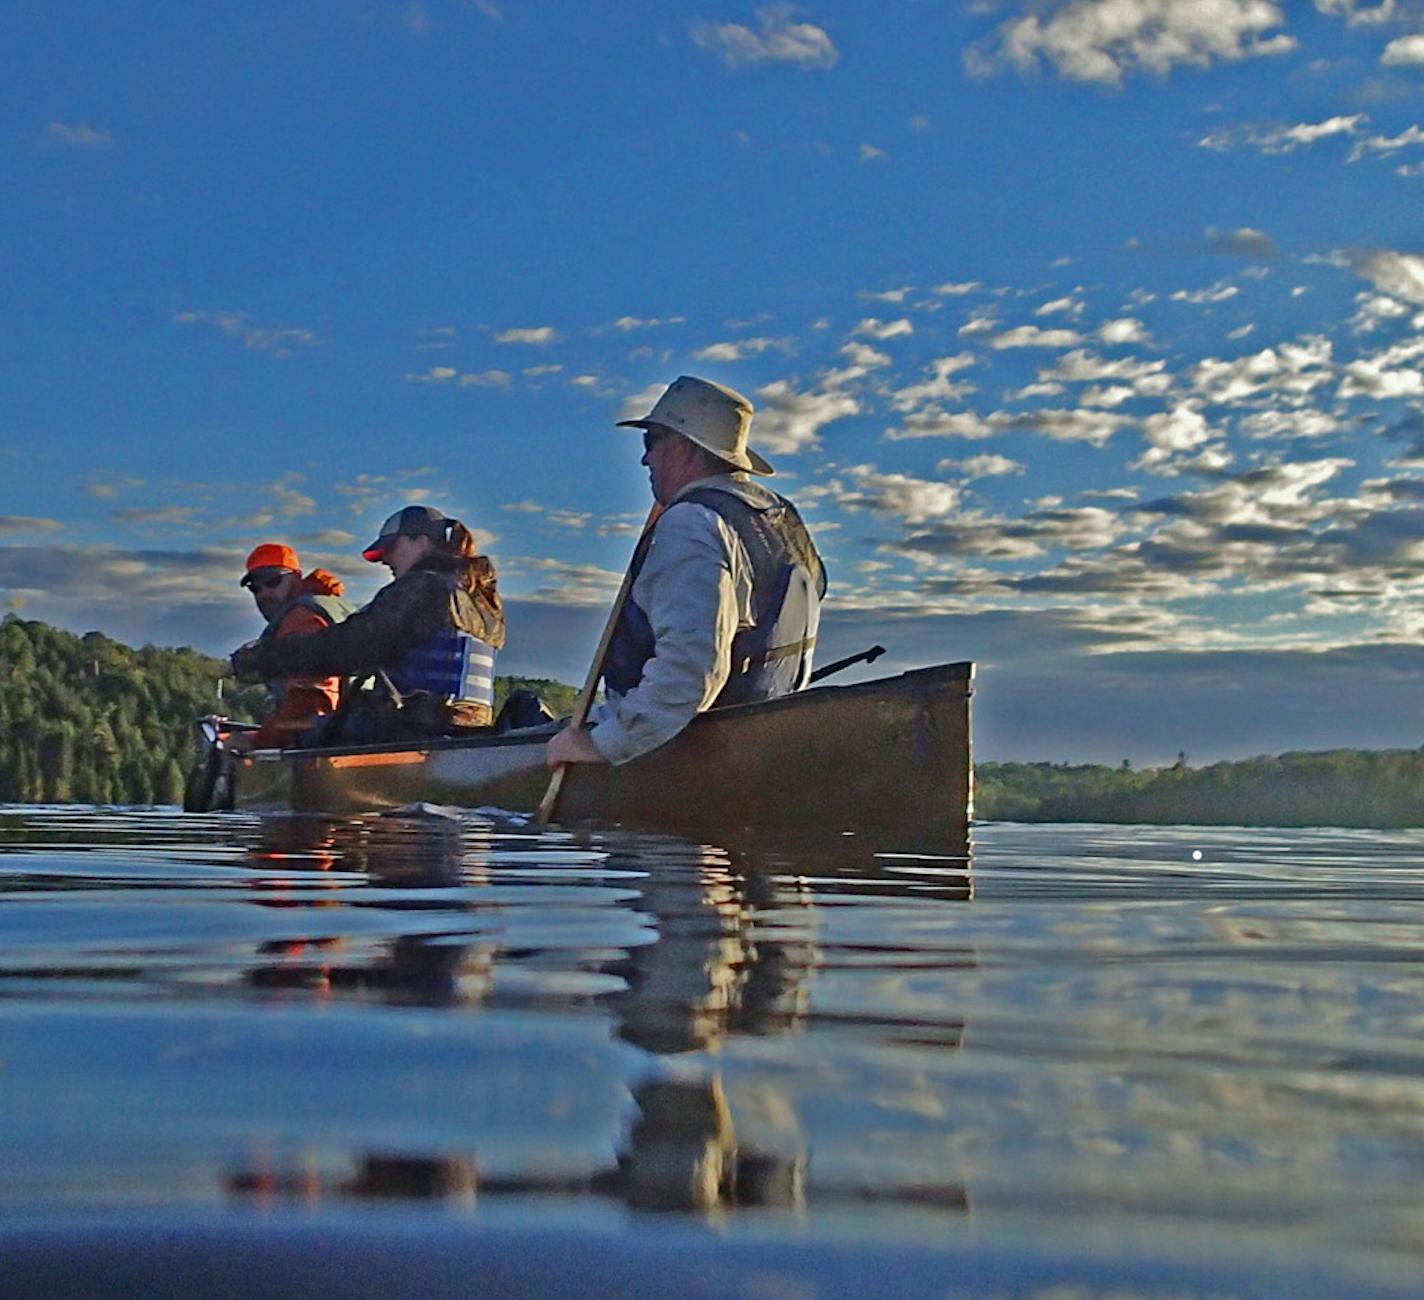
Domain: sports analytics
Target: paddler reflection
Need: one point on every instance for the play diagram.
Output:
(739, 951)
(312, 865)
(740, 947)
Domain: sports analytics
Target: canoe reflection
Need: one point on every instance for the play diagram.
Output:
(736, 951)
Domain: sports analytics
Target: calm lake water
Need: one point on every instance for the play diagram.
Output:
(428, 1055)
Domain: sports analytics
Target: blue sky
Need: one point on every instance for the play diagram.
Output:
(1087, 333)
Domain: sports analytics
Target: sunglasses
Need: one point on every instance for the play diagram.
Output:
(268, 584)
(651, 438)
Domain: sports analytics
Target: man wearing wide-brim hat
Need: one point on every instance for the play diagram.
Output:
(727, 584)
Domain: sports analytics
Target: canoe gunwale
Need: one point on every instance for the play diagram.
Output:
(815, 695)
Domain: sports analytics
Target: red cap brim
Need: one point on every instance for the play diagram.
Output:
(374, 553)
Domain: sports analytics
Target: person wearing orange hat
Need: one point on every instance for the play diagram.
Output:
(293, 605)
(429, 637)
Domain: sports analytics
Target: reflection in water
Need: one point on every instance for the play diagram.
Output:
(1106, 1040)
(731, 950)
(376, 1177)
(417, 864)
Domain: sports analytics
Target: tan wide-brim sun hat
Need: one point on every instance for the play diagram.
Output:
(710, 415)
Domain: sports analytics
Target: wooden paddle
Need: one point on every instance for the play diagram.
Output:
(549, 804)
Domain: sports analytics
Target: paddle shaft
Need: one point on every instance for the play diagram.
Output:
(548, 805)
(850, 661)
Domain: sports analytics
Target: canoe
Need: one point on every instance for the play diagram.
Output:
(888, 758)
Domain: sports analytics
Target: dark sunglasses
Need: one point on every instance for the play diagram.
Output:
(268, 584)
(651, 438)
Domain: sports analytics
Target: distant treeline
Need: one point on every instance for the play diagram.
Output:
(84, 719)
(1338, 787)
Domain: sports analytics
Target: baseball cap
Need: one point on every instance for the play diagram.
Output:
(413, 521)
(270, 555)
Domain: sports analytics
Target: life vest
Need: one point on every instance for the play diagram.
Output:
(332, 608)
(771, 657)
(450, 665)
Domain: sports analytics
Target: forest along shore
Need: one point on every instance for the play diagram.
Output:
(85, 719)
(1338, 787)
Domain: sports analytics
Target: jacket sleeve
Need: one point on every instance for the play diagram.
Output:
(406, 611)
(695, 587)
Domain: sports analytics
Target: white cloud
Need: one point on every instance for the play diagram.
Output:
(280, 342)
(325, 537)
(1400, 275)
(1218, 292)
(862, 358)
(871, 153)
(988, 465)
(109, 485)
(1273, 424)
(1125, 329)
(1392, 373)
(1092, 427)
(740, 349)
(1050, 388)
(938, 387)
(1068, 306)
(564, 583)
(1383, 146)
(1083, 367)
(27, 524)
(288, 502)
(1110, 397)
(157, 516)
(1284, 139)
(449, 375)
(538, 335)
(1170, 433)
(980, 326)
(1030, 336)
(934, 423)
(1356, 14)
(626, 324)
(486, 379)
(1242, 242)
(887, 295)
(1406, 52)
(778, 39)
(1289, 371)
(1374, 310)
(76, 135)
(915, 501)
(788, 422)
(956, 289)
(1105, 40)
(882, 330)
